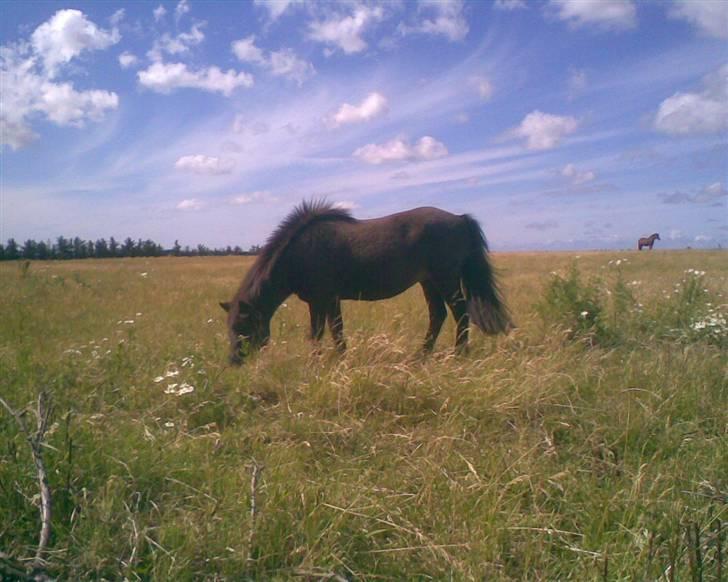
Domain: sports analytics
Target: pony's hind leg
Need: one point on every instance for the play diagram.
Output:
(438, 314)
(459, 308)
(336, 324)
(318, 320)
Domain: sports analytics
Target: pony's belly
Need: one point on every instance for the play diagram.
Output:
(382, 289)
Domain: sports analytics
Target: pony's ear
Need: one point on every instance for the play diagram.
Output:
(225, 305)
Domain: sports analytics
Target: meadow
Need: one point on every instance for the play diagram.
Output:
(589, 444)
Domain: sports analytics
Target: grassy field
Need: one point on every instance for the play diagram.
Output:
(590, 444)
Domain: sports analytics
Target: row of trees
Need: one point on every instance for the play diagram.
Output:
(77, 248)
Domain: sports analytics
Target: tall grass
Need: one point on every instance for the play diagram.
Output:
(578, 447)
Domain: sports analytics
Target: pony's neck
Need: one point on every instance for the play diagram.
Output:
(269, 298)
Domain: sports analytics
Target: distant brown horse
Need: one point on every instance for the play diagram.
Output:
(647, 241)
(323, 255)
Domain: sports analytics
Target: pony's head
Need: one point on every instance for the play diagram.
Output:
(248, 329)
(657, 236)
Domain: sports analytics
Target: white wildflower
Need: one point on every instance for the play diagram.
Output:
(185, 388)
(169, 424)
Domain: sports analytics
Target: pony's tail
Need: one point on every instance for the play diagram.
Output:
(486, 306)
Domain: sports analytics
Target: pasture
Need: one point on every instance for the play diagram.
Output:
(589, 444)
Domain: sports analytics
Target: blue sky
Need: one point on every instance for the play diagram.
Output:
(569, 124)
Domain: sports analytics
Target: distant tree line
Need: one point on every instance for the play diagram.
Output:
(77, 248)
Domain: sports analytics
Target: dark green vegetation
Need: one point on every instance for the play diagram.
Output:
(75, 248)
(589, 444)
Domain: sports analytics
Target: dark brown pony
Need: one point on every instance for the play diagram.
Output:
(323, 255)
(647, 241)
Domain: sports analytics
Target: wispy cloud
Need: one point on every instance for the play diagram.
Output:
(575, 176)
(200, 164)
(252, 197)
(438, 18)
(601, 14)
(280, 63)
(190, 204)
(709, 194)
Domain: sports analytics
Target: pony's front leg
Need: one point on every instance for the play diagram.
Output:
(336, 324)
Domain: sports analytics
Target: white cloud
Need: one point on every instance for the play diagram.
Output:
(285, 63)
(509, 4)
(65, 106)
(575, 176)
(175, 45)
(397, 150)
(117, 17)
(276, 8)
(604, 14)
(247, 52)
(251, 197)
(708, 16)
(544, 131)
(439, 18)
(710, 194)
(483, 86)
(374, 105)
(27, 78)
(183, 7)
(281, 63)
(167, 77)
(697, 113)
(159, 13)
(66, 35)
(190, 204)
(126, 60)
(200, 164)
(346, 205)
(346, 32)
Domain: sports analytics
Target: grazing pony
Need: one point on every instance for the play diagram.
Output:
(323, 255)
(647, 241)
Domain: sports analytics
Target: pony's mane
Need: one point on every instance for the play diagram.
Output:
(300, 218)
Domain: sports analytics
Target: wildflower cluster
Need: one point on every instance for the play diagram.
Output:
(95, 350)
(178, 388)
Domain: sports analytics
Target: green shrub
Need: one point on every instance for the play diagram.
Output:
(577, 307)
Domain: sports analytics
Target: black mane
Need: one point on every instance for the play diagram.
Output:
(300, 218)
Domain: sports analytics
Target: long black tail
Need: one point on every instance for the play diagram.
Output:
(486, 306)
